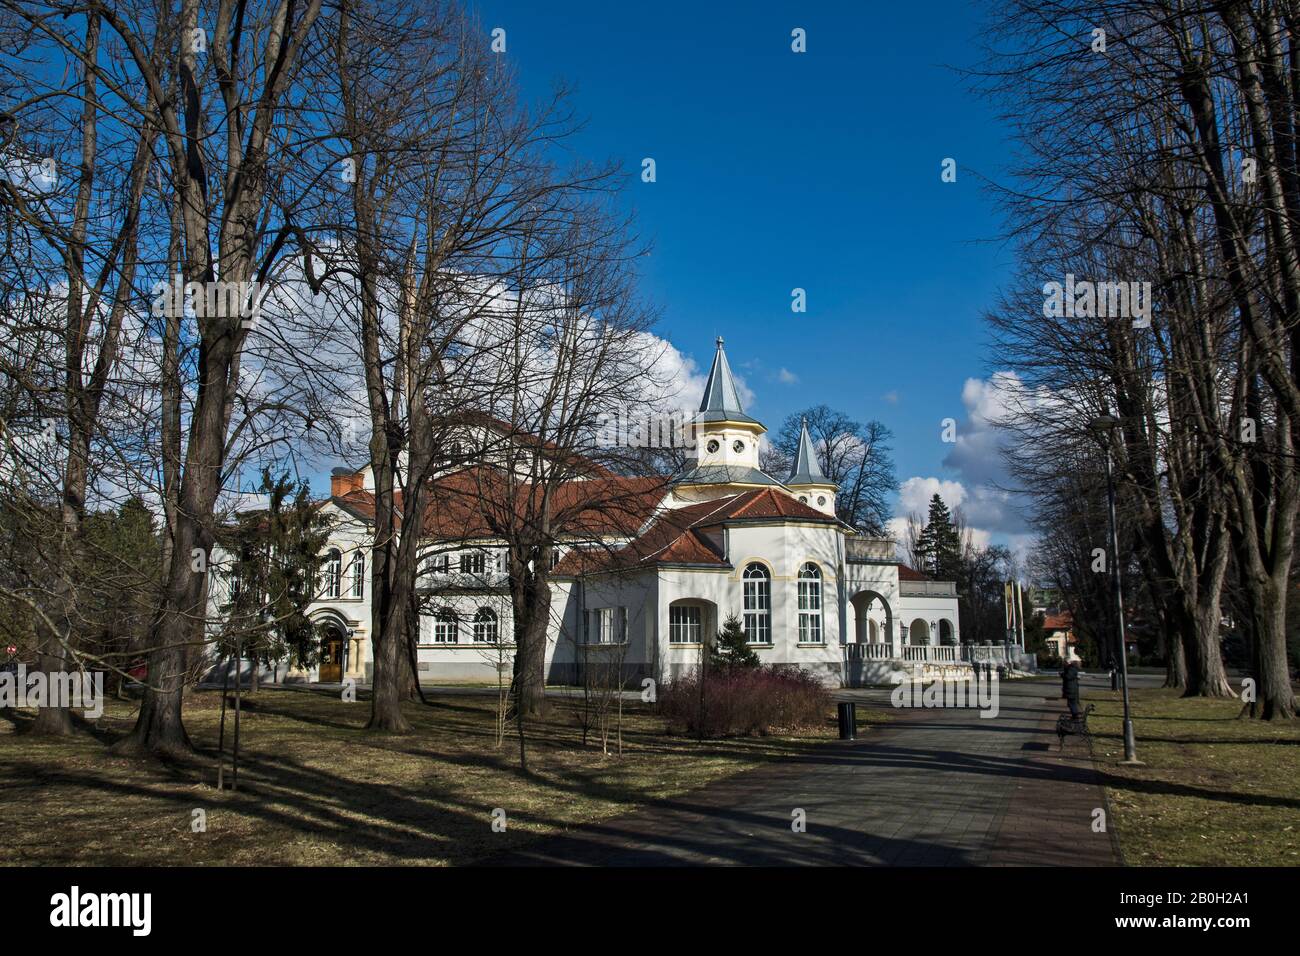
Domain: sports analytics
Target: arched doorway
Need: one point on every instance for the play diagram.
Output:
(946, 634)
(330, 664)
(873, 622)
(919, 633)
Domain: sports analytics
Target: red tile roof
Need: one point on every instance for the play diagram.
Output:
(911, 574)
(677, 537)
(766, 503)
(1058, 622)
(482, 502)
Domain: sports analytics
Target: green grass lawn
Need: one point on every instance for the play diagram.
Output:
(1215, 790)
(315, 789)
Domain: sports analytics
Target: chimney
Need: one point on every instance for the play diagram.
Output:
(345, 480)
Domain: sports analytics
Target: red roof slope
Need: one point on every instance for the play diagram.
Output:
(676, 536)
(481, 502)
(767, 503)
(910, 574)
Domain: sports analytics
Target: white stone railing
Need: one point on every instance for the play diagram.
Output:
(925, 652)
(869, 652)
(927, 588)
(869, 550)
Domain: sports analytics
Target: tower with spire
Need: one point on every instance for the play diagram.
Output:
(726, 440)
(809, 484)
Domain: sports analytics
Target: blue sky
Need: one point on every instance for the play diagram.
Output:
(818, 170)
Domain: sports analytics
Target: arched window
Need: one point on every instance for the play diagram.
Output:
(485, 626)
(359, 574)
(919, 632)
(446, 627)
(810, 604)
(333, 573)
(758, 604)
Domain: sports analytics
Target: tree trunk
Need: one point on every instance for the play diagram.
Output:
(1206, 676)
(1268, 615)
(52, 721)
(390, 683)
(1175, 660)
(532, 614)
(159, 729)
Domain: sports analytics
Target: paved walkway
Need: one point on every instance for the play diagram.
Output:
(934, 788)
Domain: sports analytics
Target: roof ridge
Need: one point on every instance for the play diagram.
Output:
(721, 502)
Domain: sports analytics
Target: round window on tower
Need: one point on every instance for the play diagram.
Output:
(737, 446)
(821, 500)
(803, 498)
(713, 446)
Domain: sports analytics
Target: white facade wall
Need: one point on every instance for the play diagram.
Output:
(782, 547)
(932, 610)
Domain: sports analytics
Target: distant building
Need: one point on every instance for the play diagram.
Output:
(657, 576)
(1059, 635)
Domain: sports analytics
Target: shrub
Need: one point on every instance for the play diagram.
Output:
(731, 649)
(745, 702)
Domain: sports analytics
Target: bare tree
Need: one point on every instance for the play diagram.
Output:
(852, 454)
(1165, 192)
(74, 273)
(454, 207)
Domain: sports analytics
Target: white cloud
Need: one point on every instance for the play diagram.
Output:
(786, 377)
(914, 495)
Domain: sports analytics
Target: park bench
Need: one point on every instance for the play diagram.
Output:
(1067, 725)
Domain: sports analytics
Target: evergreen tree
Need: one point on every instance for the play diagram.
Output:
(731, 649)
(277, 559)
(939, 543)
(120, 565)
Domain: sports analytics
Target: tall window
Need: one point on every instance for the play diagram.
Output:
(472, 562)
(333, 573)
(685, 624)
(446, 628)
(606, 625)
(758, 604)
(359, 574)
(810, 604)
(485, 626)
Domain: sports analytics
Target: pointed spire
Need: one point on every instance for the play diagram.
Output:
(720, 393)
(807, 470)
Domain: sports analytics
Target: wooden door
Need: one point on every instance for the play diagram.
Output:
(331, 659)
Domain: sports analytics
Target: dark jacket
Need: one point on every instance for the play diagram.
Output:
(1070, 681)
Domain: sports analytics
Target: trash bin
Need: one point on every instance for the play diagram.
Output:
(848, 712)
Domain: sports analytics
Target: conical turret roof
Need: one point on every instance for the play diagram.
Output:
(807, 470)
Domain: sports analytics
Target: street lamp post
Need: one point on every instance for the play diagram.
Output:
(1103, 425)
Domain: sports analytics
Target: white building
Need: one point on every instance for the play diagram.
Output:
(654, 578)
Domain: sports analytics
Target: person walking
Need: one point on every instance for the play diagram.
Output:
(1070, 687)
